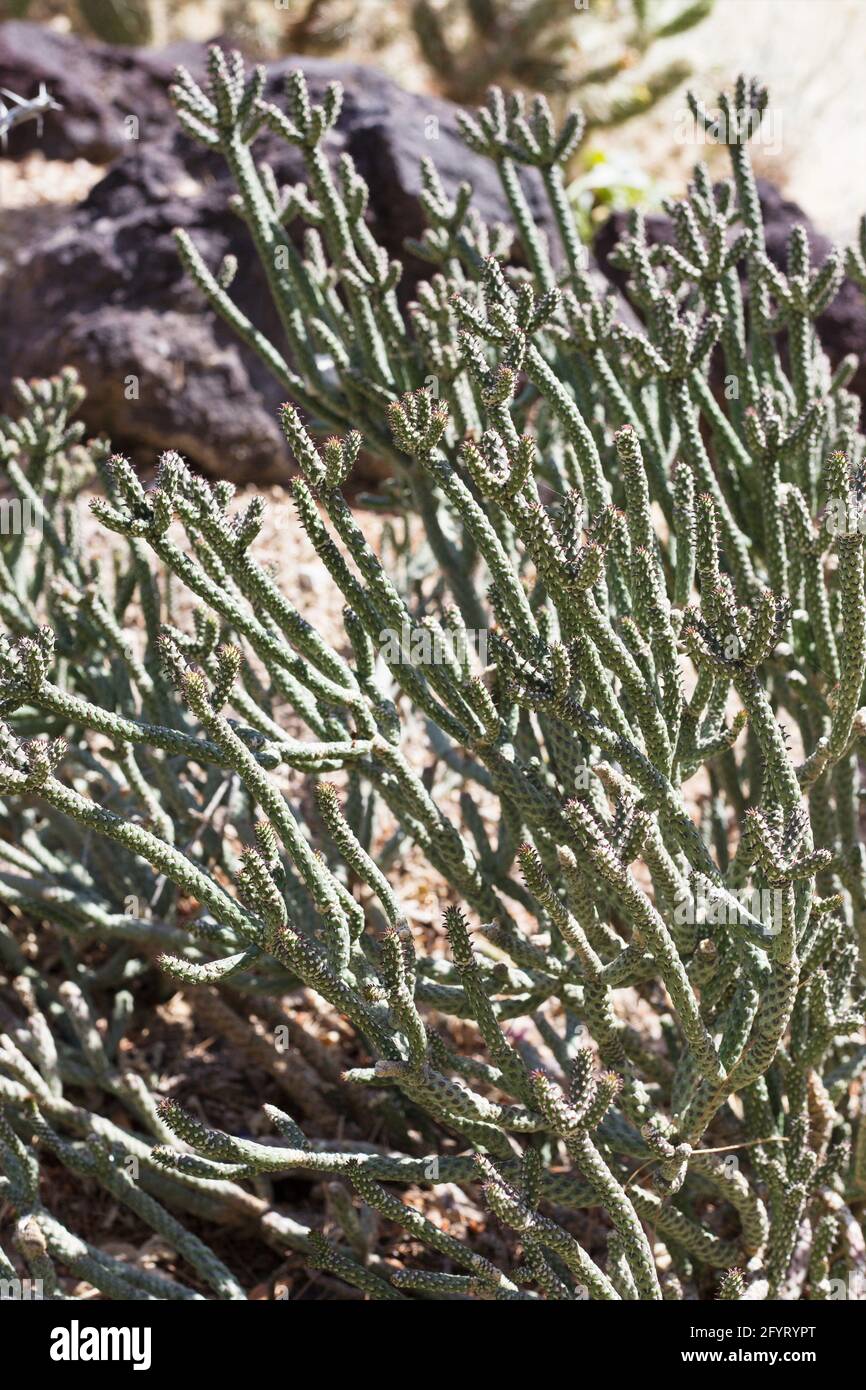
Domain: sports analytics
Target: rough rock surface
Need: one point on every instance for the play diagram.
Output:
(98, 87)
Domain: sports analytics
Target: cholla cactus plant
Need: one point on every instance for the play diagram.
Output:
(654, 898)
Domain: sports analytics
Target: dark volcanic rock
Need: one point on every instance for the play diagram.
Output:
(107, 293)
(98, 86)
(842, 327)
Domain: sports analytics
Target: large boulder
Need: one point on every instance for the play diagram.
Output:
(98, 87)
(107, 294)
